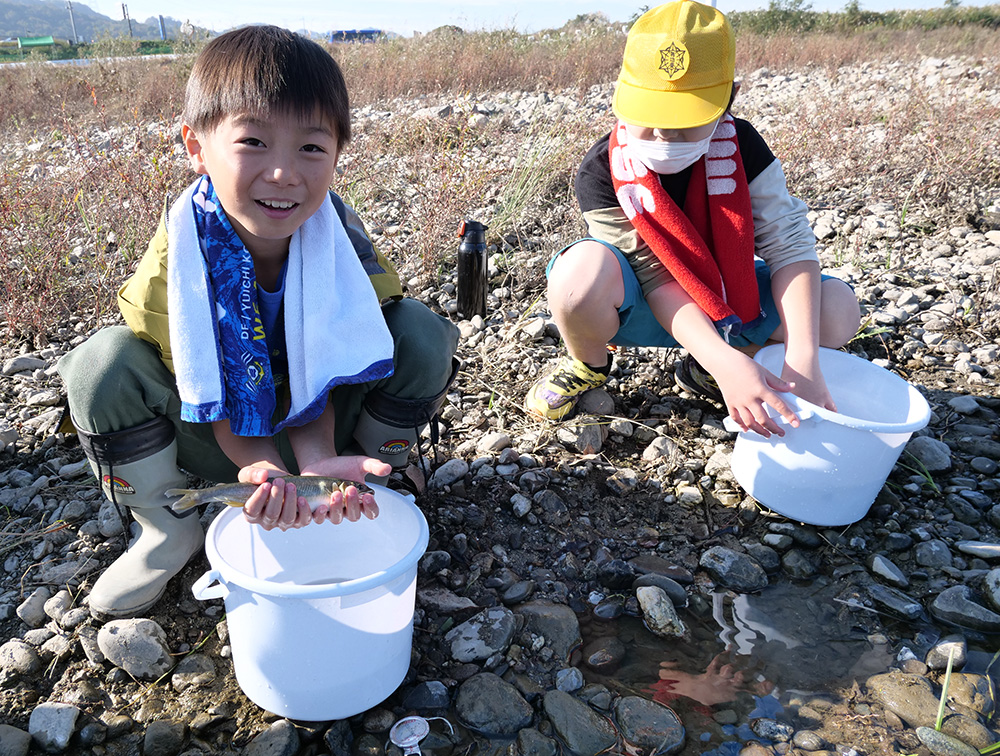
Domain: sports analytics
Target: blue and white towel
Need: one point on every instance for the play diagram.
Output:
(334, 330)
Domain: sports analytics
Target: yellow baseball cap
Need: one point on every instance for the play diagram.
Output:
(678, 69)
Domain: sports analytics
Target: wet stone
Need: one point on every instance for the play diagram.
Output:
(910, 697)
(897, 602)
(609, 608)
(530, 742)
(584, 732)
(771, 729)
(604, 654)
(953, 646)
(765, 556)
(808, 740)
(972, 691)
(569, 680)
(797, 565)
(597, 696)
(941, 744)
(646, 564)
(653, 728)
(487, 633)
(991, 587)
(733, 570)
(957, 606)
(487, 704)
(672, 588)
(659, 612)
(556, 623)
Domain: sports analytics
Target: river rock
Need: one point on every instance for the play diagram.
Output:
(13, 741)
(957, 606)
(934, 455)
(991, 586)
(584, 732)
(556, 623)
(953, 647)
(487, 704)
(941, 744)
(910, 697)
(164, 737)
(659, 612)
(485, 634)
(649, 726)
(530, 742)
(51, 725)
(279, 739)
(139, 646)
(733, 569)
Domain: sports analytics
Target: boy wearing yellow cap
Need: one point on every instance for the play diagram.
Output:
(694, 239)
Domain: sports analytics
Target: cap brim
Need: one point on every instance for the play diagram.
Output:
(656, 109)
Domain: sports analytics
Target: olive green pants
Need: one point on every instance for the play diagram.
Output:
(115, 381)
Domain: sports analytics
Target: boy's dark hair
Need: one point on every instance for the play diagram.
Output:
(257, 70)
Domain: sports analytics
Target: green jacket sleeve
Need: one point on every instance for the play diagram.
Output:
(142, 299)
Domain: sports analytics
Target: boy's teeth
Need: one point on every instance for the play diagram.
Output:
(277, 205)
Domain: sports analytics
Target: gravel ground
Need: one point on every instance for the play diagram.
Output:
(549, 541)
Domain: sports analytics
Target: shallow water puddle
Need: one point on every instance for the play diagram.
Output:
(743, 658)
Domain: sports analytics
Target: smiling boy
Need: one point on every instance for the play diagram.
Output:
(265, 335)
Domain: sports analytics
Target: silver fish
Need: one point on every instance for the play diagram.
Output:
(314, 488)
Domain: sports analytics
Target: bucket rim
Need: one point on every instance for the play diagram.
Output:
(230, 575)
(805, 408)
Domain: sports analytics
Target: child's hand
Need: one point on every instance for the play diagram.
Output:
(808, 381)
(275, 503)
(746, 387)
(351, 504)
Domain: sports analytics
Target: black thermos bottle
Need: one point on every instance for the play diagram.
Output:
(472, 269)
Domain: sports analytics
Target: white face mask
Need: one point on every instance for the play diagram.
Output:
(669, 157)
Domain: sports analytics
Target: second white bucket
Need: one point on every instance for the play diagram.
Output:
(829, 470)
(320, 618)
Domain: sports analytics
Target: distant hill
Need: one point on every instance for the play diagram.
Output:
(30, 18)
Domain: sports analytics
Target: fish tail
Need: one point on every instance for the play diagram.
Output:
(189, 499)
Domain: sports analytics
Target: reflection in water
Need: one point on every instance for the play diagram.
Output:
(743, 653)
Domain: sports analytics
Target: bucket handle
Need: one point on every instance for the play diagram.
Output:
(204, 590)
(806, 409)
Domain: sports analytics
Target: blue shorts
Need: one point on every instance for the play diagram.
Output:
(638, 327)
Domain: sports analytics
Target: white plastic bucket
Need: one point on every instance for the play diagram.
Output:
(320, 618)
(829, 470)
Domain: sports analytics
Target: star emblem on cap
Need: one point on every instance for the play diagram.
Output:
(673, 60)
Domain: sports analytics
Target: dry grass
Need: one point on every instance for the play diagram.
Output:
(89, 153)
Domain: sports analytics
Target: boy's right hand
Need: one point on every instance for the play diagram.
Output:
(746, 387)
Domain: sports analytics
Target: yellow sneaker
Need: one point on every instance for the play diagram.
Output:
(554, 395)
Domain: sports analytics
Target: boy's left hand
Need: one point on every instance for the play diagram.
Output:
(276, 503)
(353, 504)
